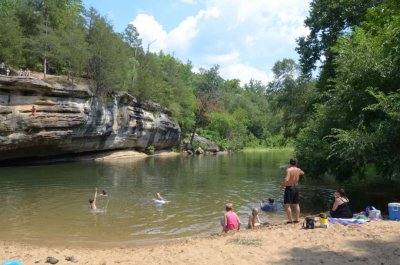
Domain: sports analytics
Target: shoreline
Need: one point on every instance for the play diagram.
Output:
(103, 156)
(127, 155)
(374, 243)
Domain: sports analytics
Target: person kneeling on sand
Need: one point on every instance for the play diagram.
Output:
(231, 220)
(254, 219)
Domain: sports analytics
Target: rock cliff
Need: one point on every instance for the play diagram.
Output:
(71, 120)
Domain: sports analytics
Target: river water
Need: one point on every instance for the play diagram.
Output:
(49, 203)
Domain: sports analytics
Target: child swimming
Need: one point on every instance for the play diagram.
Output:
(270, 207)
(92, 202)
(158, 199)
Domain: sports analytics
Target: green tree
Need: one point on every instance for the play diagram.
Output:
(43, 22)
(131, 36)
(357, 125)
(328, 21)
(73, 53)
(229, 130)
(207, 85)
(11, 38)
(149, 83)
(291, 96)
(108, 56)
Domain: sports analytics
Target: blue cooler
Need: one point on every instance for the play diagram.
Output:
(394, 211)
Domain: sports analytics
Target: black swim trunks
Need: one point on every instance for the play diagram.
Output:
(291, 195)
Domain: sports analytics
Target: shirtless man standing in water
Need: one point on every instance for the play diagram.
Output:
(291, 196)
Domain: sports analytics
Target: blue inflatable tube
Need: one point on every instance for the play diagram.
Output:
(159, 201)
(12, 262)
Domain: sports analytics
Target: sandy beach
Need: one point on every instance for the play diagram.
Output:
(372, 243)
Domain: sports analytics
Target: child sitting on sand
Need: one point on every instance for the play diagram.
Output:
(323, 220)
(254, 219)
(270, 207)
(231, 220)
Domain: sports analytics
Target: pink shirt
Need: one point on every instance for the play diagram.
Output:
(231, 221)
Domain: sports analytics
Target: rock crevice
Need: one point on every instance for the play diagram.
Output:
(71, 120)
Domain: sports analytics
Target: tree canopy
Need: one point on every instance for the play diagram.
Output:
(356, 125)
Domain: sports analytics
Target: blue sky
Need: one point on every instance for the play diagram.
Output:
(244, 37)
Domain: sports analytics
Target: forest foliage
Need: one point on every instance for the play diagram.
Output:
(355, 123)
(61, 37)
(338, 106)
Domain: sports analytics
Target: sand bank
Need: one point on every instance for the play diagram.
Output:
(373, 243)
(124, 155)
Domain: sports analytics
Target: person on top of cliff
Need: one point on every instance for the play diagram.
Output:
(33, 110)
(2, 68)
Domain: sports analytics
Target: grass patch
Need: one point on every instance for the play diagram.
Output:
(246, 241)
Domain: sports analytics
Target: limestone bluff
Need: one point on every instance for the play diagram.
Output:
(71, 120)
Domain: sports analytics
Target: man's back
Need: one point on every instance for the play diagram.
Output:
(293, 174)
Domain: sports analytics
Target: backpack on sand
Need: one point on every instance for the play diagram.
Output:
(309, 222)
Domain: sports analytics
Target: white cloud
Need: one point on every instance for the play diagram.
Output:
(223, 59)
(245, 73)
(190, 2)
(179, 39)
(245, 37)
(151, 32)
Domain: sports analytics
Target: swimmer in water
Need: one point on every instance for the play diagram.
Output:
(270, 207)
(158, 197)
(92, 202)
(103, 193)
